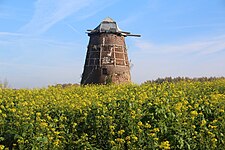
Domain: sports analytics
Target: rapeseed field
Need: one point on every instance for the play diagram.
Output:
(180, 115)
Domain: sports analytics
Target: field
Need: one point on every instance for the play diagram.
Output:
(170, 115)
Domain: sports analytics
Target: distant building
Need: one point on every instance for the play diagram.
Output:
(106, 58)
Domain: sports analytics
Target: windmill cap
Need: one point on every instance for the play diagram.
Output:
(108, 25)
(108, 19)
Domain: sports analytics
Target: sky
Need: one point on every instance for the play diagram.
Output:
(43, 42)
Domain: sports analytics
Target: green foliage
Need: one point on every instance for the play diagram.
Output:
(171, 115)
(109, 80)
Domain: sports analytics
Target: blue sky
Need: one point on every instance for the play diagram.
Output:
(43, 42)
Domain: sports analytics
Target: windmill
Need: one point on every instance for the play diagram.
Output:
(106, 58)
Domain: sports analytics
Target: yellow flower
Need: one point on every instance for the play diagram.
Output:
(196, 105)
(112, 143)
(134, 138)
(2, 147)
(152, 134)
(211, 134)
(49, 118)
(214, 121)
(38, 114)
(207, 103)
(74, 125)
(156, 130)
(128, 138)
(121, 132)
(140, 130)
(13, 110)
(194, 113)
(165, 145)
(221, 110)
(43, 124)
(140, 123)
(147, 125)
(112, 127)
(178, 106)
(212, 127)
(50, 138)
(214, 140)
(203, 122)
(120, 140)
(56, 143)
(57, 132)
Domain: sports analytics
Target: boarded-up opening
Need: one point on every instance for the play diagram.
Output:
(104, 71)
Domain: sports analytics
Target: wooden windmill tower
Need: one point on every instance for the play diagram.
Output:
(106, 58)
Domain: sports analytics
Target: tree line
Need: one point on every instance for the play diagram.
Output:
(178, 79)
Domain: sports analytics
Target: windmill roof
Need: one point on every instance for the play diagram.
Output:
(108, 19)
(107, 25)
